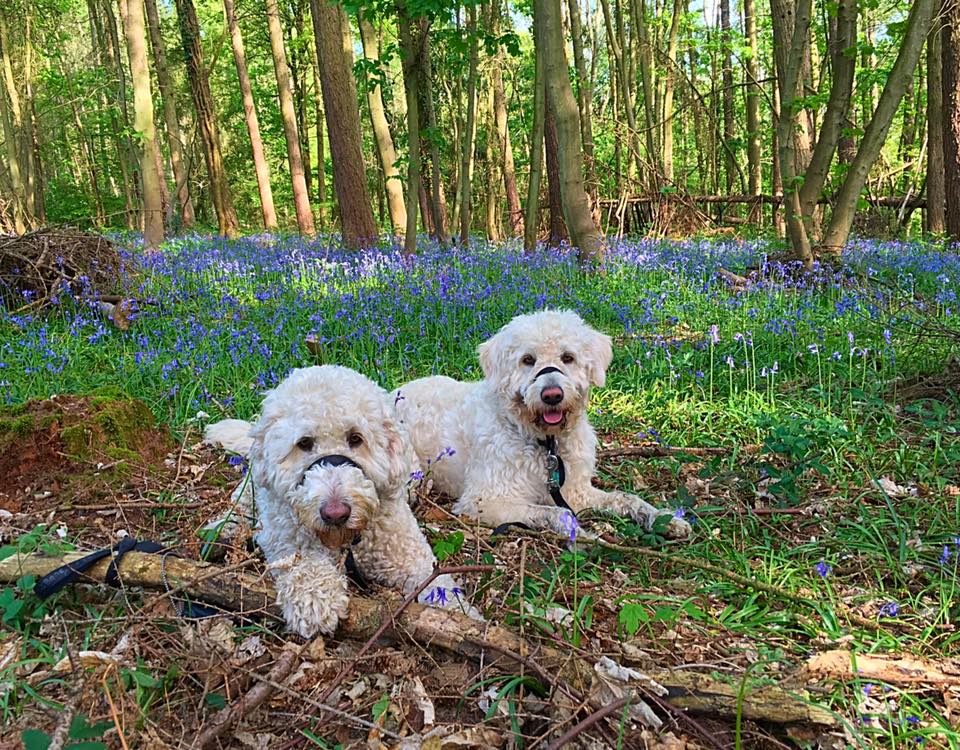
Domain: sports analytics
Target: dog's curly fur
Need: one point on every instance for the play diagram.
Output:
(310, 514)
(498, 473)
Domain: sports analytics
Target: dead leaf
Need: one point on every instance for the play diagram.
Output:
(88, 660)
(612, 681)
(892, 489)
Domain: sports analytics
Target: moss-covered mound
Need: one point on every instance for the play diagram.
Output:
(75, 442)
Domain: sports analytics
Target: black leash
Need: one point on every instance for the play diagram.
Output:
(58, 579)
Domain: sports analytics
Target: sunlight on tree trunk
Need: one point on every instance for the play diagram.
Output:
(469, 136)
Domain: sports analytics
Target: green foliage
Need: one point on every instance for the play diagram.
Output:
(448, 545)
(80, 729)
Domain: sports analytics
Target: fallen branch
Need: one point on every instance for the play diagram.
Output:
(662, 451)
(226, 718)
(435, 628)
(584, 725)
(899, 670)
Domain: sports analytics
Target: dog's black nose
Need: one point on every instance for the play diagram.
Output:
(335, 512)
(552, 395)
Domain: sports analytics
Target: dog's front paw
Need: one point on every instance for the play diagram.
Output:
(308, 611)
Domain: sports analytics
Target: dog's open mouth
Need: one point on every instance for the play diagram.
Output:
(553, 417)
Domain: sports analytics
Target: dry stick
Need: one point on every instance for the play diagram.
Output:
(221, 722)
(387, 622)
(584, 725)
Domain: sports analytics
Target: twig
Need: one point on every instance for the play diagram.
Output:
(592, 719)
(117, 723)
(387, 622)
(227, 717)
(662, 451)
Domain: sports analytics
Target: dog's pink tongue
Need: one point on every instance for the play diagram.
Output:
(554, 416)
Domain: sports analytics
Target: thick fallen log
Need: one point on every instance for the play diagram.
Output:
(897, 670)
(239, 591)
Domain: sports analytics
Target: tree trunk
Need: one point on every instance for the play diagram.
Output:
(936, 202)
(168, 99)
(950, 39)
(844, 64)
(437, 203)
(531, 225)
(584, 103)
(206, 119)
(410, 46)
(343, 123)
(321, 158)
(490, 158)
(918, 27)
(624, 89)
(729, 133)
(301, 196)
(514, 210)
(558, 227)
(668, 87)
(754, 171)
(381, 130)
(134, 26)
(792, 37)
(469, 129)
(576, 205)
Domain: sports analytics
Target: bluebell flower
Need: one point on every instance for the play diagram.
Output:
(890, 609)
(822, 569)
(570, 524)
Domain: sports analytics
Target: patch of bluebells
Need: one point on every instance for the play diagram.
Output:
(231, 315)
(438, 595)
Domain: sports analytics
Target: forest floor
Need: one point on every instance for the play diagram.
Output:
(829, 518)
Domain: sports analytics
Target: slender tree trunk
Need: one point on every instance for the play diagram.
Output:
(936, 202)
(135, 28)
(584, 103)
(576, 206)
(754, 171)
(950, 39)
(729, 132)
(514, 210)
(624, 90)
(206, 119)
(12, 130)
(301, 196)
(335, 54)
(260, 166)
(918, 27)
(127, 154)
(171, 120)
(841, 92)
(791, 36)
(532, 219)
(437, 202)
(469, 129)
(381, 130)
(321, 158)
(646, 79)
(668, 86)
(558, 227)
(410, 45)
(490, 157)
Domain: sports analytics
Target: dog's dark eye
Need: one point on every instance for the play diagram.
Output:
(305, 443)
(567, 358)
(354, 439)
(528, 360)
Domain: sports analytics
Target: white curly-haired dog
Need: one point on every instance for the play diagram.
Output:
(523, 447)
(329, 468)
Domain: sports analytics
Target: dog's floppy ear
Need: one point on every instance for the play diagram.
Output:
(599, 353)
(490, 353)
(398, 454)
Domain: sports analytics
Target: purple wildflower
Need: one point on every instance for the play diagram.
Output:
(822, 569)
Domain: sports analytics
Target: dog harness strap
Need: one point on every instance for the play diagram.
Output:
(556, 473)
(334, 459)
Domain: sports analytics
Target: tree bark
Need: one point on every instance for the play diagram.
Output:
(135, 31)
(206, 119)
(792, 37)
(438, 205)
(531, 225)
(950, 37)
(729, 132)
(260, 166)
(558, 228)
(584, 103)
(754, 171)
(576, 206)
(343, 123)
(490, 158)
(514, 211)
(168, 99)
(844, 62)
(469, 129)
(410, 46)
(301, 196)
(918, 27)
(936, 202)
(668, 88)
(321, 158)
(381, 130)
